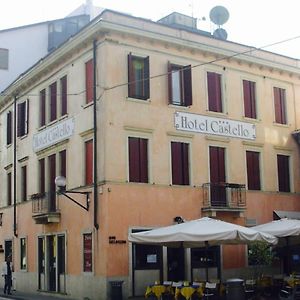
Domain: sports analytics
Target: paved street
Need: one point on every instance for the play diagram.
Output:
(16, 295)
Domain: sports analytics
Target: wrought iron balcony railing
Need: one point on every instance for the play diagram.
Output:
(224, 195)
(44, 203)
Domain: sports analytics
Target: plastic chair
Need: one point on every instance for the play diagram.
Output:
(210, 290)
(250, 288)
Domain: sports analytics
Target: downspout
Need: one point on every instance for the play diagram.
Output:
(96, 225)
(15, 166)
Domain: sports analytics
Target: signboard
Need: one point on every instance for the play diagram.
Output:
(87, 252)
(53, 134)
(214, 126)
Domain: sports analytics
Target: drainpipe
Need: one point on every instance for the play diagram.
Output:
(15, 166)
(96, 225)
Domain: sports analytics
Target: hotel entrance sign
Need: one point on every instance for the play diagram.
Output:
(214, 126)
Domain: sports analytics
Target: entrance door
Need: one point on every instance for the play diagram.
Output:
(176, 264)
(41, 263)
(217, 176)
(61, 284)
(51, 262)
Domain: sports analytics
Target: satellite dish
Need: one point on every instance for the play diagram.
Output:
(220, 33)
(219, 15)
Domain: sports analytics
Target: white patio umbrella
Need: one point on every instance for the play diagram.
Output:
(199, 233)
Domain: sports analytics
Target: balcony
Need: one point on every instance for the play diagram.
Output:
(223, 197)
(45, 208)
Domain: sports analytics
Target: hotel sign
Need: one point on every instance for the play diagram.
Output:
(214, 126)
(53, 134)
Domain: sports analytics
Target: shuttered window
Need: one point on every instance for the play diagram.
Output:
(52, 176)
(138, 77)
(42, 175)
(180, 163)
(63, 163)
(253, 170)
(214, 92)
(249, 99)
(42, 107)
(23, 117)
(138, 159)
(64, 95)
(89, 81)
(53, 101)
(9, 191)
(89, 162)
(283, 170)
(180, 84)
(24, 183)
(9, 128)
(280, 105)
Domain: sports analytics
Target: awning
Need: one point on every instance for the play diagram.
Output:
(281, 214)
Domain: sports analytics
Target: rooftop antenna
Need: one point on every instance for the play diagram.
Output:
(219, 15)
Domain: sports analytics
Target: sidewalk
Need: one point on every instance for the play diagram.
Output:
(16, 295)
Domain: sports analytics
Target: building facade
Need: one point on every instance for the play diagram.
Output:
(154, 124)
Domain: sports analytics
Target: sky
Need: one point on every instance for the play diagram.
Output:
(255, 23)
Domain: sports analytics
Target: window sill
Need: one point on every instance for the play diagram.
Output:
(251, 119)
(281, 125)
(86, 105)
(217, 114)
(138, 100)
(8, 146)
(179, 106)
(23, 136)
(63, 117)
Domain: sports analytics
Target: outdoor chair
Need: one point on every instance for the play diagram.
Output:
(210, 290)
(250, 288)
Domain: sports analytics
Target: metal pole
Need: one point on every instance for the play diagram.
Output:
(96, 225)
(15, 166)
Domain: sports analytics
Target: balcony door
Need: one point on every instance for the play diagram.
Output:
(217, 176)
(52, 175)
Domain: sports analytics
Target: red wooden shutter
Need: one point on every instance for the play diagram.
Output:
(253, 170)
(53, 101)
(89, 80)
(176, 163)
(89, 162)
(143, 151)
(42, 175)
(253, 99)
(247, 98)
(170, 86)
(24, 183)
(63, 163)
(283, 173)
(131, 77)
(64, 96)
(185, 164)
(187, 85)
(146, 79)
(43, 107)
(9, 128)
(134, 159)
(214, 92)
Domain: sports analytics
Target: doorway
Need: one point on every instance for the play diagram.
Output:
(175, 264)
(7, 248)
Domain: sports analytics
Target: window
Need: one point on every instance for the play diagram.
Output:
(42, 175)
(249, 99)
(64, 95)
(51, 182)
(23, 256)
(87, 252)
(53, 101)
(138, 77)
(89, 81)
(253, 170)
(42, 107)
(23, 117)
(280, 105)
(24, 183)
(138, 159)
(214, 92)
(283, 170)
(9, 128)
(147, 257)
(180, 163)
(180, 85)
(63, 163)
(3, 59)
(9, 194)
(89, 162)
(205, 257)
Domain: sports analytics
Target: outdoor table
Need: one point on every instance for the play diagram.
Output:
(188, 291)
(158, 290)
(292, 281)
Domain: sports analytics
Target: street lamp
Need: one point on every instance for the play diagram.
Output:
(60, 182)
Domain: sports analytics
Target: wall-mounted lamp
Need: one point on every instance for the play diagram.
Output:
(60, 182)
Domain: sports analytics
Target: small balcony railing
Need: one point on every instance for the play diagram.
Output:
(45, 208)
(224, 195)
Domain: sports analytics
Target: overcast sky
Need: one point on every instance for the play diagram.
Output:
(252, 22)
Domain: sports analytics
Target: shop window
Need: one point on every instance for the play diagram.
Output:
(180, 163)
(180, 85)
(23, 255)
(147, 256)
(280, 105)
(87, 252)
(214, 89)
(89, 162)
(249, 99)
(138, 159)
(9, 128)
(23, 117)
(89, 81)
(253, 170)
(138, 77)
(283, 171)
(205, 257)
